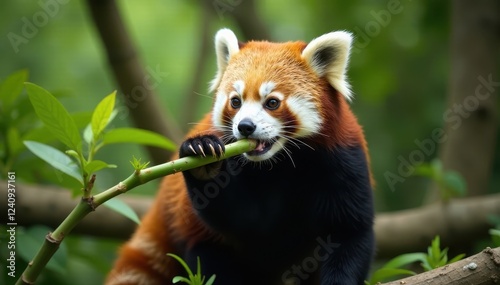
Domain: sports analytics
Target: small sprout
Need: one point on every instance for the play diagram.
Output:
(137, 164)
(437, 257)
(192, 279)
(73, 154)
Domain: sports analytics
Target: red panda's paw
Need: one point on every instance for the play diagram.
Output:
(204, 145)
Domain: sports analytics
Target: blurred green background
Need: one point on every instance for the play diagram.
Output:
(399, 71)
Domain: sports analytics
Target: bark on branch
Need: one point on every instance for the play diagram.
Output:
(482, 268)
(458, 223)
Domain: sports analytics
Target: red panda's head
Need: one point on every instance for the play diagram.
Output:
(279, 93)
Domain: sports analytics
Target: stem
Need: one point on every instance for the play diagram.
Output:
(85, 176)
(51, 243)
(168, 168)
(87, 205)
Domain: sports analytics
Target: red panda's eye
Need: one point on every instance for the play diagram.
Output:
(235, 102)
(272, 104)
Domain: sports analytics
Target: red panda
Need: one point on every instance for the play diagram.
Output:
(296, 210)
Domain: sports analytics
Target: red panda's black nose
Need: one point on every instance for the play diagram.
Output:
(246, 127)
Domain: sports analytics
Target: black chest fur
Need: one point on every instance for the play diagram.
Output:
(287, 205)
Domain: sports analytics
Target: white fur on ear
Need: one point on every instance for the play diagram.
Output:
(226, 45)
(328, 56)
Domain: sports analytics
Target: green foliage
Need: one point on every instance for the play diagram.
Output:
(78, 160)
(138, 164)
(437, 257)
(451, 184)
(192, 279)
(434, 258)
(394, 268)
(55, 117)
(55, 158)
(119, 206)
(101, 115)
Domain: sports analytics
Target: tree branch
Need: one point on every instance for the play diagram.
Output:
(459, 222)
(482, 268)
(88, 205)
(136, 84)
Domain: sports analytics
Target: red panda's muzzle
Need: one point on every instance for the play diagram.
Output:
(263, 146)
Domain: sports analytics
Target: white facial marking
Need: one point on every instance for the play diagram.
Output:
(239, 87)
(219, 105)
(267, 127)
(309, 119)
(266, 88)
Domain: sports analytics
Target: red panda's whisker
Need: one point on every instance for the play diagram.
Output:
(296, 142)
(287, 151)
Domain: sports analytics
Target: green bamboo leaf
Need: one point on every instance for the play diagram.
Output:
(11, 87)
(53, 114)
(56, 158)
(121, 207)
(88, 136)
(178, 279)
(139, 136)
(183, 263)
(385, 273)
(198, 267)
(42, 133)
(96, 165)
(457, 258)
(102, 113)
(211, 280)
(405, 259)
(435, 249)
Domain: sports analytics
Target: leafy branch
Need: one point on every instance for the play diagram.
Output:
(87, 205)
(78, 162)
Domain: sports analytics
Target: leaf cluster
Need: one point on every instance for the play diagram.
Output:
(192, 279)
(81, 136)
(434, 258)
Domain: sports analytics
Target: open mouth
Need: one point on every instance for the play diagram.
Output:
(263, 146)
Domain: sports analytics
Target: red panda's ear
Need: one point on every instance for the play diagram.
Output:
(226, 45)
(328, 56)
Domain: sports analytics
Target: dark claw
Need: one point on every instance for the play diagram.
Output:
(202, 145)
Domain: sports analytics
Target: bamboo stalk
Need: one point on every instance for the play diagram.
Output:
(85, 206)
